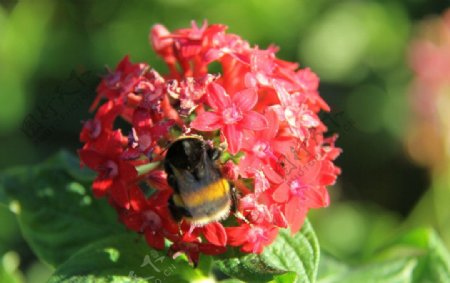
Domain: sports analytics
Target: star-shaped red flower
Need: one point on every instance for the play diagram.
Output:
(231, 114)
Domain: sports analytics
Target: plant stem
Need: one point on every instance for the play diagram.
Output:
(144, 169)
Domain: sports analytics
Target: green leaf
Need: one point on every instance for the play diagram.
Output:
(72, 166)
(3, 197)
(330, 269)
(417, 256)
(432, 209)
(424, 245)
(57, 213)
(393, 271)
(124, 258)
(288, 277)
(9, 263)
(288, 259)
(6, 277)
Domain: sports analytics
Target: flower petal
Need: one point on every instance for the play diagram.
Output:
(272, 124)
(282, 93)
(212, 55)
(137, 198)
(249, 140)
(157, 179)
(154, 239)
(237, 235)
(254, 121)
(284, 145)
(101, 185)
(278, 217)
(281, 194)
(245, 99)
(215, 234)
(207, 121)
(317, 197)
(119, 194)
(294, 215)
(127, 172)
(271, 174)
(252, 247)
(234, 138)
(132, 220)
(160, 38)
(91, 158)
(210, 249)
(217, 97)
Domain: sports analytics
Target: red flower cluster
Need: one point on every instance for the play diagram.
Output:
(263, 108)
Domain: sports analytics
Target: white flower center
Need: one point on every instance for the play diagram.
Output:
(232, 115)
(260, 149)
(297, 189)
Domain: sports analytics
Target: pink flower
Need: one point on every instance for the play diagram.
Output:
(262, 149)
(295, 112)
(231, 114)
(298, 198)
(304, 187)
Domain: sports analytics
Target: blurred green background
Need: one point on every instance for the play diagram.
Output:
(52, 54)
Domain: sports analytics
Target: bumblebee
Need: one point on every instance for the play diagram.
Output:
(201, 195)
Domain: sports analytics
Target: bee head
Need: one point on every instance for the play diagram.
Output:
(186, 153)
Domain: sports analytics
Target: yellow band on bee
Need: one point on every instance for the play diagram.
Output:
(220, 214)
(215, 191)
(177, 200)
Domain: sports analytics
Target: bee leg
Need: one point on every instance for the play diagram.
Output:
(234, 206)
